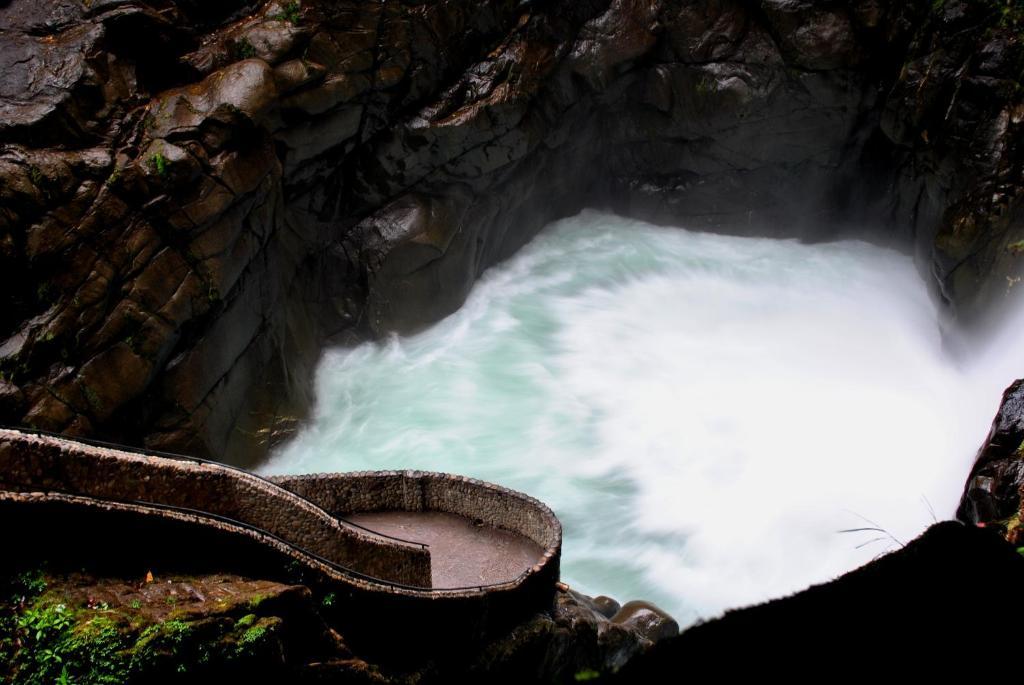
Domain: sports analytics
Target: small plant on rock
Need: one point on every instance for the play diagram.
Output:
(158, 163)
(245, 49)
(292, 13)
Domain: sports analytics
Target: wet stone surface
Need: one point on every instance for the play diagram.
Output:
(463, 553)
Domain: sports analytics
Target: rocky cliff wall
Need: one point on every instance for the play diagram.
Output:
(195, 196)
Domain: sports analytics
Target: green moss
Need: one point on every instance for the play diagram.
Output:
(245, 49)
(159, 646)
(255, 636)
(96, 650)
(48, 636)
(246, 620)
(292, 12)
(158, 163)
(256, 600)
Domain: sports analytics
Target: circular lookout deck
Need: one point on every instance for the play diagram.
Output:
(463, 552)
(401, 551)
(479, 535)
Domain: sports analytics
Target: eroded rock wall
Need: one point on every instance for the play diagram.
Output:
(195, 196)
(992, 496)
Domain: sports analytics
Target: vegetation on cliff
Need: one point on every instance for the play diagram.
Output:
(97, 629)
(71, 628)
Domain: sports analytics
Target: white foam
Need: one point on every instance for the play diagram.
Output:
(703, 412)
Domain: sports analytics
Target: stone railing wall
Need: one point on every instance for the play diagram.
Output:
(122, 510)
(493, 505)
(30, 462)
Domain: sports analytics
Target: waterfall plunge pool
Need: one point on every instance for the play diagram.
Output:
(704, 413)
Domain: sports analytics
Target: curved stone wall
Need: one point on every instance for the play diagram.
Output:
(61, 492)
(30, 462)
(370, 491)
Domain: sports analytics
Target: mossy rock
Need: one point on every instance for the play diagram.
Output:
(54, 629)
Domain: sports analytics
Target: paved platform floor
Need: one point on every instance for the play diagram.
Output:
(462, 554)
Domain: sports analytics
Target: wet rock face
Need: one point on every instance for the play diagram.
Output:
(956, 110)
(576, 640)
(194, 196)
(993, 493)
(647, 620)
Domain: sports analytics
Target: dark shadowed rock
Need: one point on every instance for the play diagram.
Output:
(11, 397)
(606, 606)
(646, 619)
(993, 492)
(602, 606)
(938, 597)
(555, 647)
(814, 35)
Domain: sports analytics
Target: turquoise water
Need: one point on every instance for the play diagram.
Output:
(704, 413)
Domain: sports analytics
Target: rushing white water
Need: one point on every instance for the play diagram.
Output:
(704, 413)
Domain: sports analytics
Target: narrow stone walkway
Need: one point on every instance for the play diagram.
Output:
(462, 553)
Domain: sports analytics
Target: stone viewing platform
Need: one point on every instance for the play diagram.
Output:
(462, 552)
(398, 550)
(477, 534)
